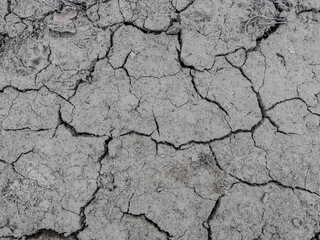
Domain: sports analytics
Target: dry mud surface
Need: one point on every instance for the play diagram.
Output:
(160, 119)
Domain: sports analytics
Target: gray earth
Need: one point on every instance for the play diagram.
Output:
(160, 119)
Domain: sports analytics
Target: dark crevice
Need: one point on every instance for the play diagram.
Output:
(111, 41)
(271, 30)
(26, 90)
(154, 32)
(128, 75)
(104, 155)
(182, 64)
(144, 30)
(9, 237)
(136, 133)
(83, 223)
(206, 98)
(48, 234)
(192, 68)
(226, 55)
(316, 236)
(44, 68)
(283, 60)
(148, 220)
(281, 6)
(257, 125)
(215, 159)
(73, 130)
(123, 66)
(183, 9)
(106, 149)
(91, 69)
(26, 129)
(261, 105)
(9, 6)
(57, 94)
(141, 28)
(267, 33)
(215, 139)
(82, 6)
(274, 124)
(125, 61)
(165, 143)
(206, 224)
(12, 164)
(313, 10)
(198, 194)
(157, 124)
(274, 182)
(4, 38)
(265, 115)
(75, 89)
(19, 90)
(292, 99)
(89, 77)
(18, 158)
(252, 184)
(4, 161)
(186, 145)
(22, 154)
(277, 6)
(172, 21)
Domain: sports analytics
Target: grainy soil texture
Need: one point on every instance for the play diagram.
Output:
(160, 119)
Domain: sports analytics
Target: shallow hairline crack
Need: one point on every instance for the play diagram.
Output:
(204, 97)
(261, 105)
(293, 99)
(72, 129)
(258, 96)
(198, 194)
(12, 164)
(26, 129)
(83, 217)
(82, 222)
(91, 69)
(184, 8)
(144, 217)
(190, 68)
(131, 22)
(211, 216)
(189, 144)
(26, 90)
(252, 184)
(240, 180)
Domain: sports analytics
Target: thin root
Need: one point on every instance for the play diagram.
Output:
(114, 203)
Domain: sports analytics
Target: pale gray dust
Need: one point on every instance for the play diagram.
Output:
(159, 119)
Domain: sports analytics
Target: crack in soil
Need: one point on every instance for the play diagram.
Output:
(148, 220)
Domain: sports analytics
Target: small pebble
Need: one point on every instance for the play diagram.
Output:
(265, 197)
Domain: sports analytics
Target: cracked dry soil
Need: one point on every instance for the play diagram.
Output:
(159, 119)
